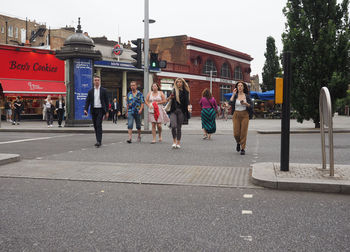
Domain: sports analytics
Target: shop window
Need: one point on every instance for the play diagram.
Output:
(224, 89)
(209, 66)
(238, 73)
(225, 71)
(10, 31)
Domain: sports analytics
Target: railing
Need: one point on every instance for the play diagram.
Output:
(325, 107)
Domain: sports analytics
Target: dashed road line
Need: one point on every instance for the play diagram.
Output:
(247, 212)
(248, 196)
(247, 237)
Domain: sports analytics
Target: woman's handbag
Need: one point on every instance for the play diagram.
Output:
(168, 106)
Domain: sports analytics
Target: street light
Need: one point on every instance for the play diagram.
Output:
(146, 21)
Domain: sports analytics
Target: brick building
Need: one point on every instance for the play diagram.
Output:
(193, 59)
(16, 31)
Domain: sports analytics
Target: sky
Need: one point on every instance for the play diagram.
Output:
(240, 25)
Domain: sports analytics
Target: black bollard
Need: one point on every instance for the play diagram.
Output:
(285, 123)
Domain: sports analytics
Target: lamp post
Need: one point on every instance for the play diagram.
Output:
(145, 69)
(146, 21)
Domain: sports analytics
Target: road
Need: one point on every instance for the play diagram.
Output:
(61, 215)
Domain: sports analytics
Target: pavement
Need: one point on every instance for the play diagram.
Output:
(305, 177)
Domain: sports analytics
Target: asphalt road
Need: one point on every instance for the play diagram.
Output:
(304, 148)
(56, 215)
(42, 215)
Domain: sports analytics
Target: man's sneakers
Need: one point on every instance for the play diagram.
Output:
(97, 145)
(242, 152)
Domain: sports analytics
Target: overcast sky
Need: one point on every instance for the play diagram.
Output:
(242, 25)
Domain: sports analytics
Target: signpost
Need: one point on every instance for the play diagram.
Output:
(285, 124)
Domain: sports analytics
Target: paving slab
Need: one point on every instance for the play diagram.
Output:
(302, 177)
(129, 173)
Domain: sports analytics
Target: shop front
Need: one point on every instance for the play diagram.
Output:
(32, 74)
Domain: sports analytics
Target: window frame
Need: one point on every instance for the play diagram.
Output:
(240, 73)
(206, 70)
(10, 31)
(226, 88)
(228, 76)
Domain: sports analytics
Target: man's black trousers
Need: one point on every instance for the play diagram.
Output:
(97, 117)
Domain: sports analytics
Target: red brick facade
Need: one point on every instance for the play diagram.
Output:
(188, 58)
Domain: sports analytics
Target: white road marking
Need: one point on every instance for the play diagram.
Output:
(247, 212)
(32, 139)
(248, 196)
(39, 158)
(247, 237)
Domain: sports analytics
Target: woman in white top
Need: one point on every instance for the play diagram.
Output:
(156, 113)
(242, 110)
(49, 111)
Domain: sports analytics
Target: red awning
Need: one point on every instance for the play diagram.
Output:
(14, 87)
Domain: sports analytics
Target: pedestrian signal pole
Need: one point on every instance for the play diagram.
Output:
(285, 123)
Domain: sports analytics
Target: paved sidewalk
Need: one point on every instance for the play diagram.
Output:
(341, 124)
(302, 177)
(129, 173)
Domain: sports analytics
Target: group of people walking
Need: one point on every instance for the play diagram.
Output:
(178, 105)
(50, 107)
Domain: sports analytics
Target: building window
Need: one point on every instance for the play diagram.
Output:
(225, 71)
(209, 66)
(2, 29)
(224, 89)
(238, 73)
(16, 32)
(10, 31)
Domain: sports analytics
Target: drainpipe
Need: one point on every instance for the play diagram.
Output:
(6, 32)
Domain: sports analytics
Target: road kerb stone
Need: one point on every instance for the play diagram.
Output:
(264, 175)
(9, 158)
(302, 177)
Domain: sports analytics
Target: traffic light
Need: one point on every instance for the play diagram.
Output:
(138, 55)
(154, 62)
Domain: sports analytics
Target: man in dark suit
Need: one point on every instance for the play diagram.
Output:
(60, 105)
(115, 110)
(97, 100)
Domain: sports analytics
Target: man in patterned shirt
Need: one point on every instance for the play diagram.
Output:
(134, 107)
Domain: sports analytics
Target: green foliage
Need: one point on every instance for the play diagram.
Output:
(272, 67)
(342, 102)
(317, 32)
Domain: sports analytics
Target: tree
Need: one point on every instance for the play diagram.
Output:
(272, 67)
(317, 32)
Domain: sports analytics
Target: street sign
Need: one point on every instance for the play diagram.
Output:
(117, 50)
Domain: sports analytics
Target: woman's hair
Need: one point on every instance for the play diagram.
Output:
(185, 86)
(245, 87)
(206, 93)
(157, 86)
